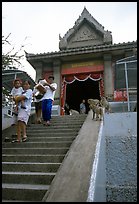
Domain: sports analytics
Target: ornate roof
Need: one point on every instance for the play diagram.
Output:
(86, 36)
(86, 31)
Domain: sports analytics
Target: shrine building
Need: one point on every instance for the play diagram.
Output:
(84, 66)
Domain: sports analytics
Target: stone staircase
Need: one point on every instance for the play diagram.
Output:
(28, 168)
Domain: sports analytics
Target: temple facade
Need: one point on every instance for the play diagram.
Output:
(84, 66)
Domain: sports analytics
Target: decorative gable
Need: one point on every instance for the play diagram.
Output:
(86, 32)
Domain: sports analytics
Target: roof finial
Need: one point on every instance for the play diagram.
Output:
(84, 10)
(60, 37)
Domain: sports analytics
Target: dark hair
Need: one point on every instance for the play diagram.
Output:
(17, 79)
(27, 82)
(51, 77)
(39, 80)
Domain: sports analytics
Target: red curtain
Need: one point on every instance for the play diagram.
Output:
(63, 96)
(81, 77)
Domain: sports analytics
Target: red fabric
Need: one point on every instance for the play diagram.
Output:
(120, 95)
(101, 86)
(63, 96)
(82, 76)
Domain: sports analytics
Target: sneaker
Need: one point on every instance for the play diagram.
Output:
(14, 141)
(24, 139)
(7, 139)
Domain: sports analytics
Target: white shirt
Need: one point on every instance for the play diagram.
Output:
(42, 82)
(49, 93)
(16, 91)
(28, 94)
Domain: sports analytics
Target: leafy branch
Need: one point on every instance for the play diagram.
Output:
(11, 57)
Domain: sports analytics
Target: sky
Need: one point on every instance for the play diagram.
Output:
(37, 25)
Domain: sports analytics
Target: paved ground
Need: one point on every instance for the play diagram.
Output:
(71, 182)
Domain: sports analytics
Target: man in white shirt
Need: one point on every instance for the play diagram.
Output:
(47, 100)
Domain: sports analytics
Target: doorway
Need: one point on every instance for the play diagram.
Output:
(79, 90)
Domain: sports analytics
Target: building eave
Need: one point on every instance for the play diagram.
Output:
(83, 50)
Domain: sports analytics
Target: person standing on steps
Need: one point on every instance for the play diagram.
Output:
(48, 99)
(16, 91)
(82, 107)
(38, 103)
(23, 114)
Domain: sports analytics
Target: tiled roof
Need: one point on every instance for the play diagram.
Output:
(82, 50)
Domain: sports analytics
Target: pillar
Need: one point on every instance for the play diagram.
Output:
(38, 71)
(108, 77)
(57, 75)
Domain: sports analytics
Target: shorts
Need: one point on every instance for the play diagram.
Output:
(38, 106)
(23, 115)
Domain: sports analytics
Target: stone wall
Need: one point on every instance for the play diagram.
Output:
(121, 157)
(114, 170)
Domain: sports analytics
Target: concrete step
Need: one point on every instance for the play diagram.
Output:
(56, 125)
(30, 166)
(38, 144)
(28, 177)
(33, 158)
(51, 139)
(45, 138)
(69, 117)
(34, 151)
(62, 126)
(53, 134)
(23, 192)
(60, 122)
(52, 130)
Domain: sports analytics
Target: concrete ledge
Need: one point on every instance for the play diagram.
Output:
(71, 182)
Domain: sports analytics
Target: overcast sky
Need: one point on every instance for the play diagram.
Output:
(37, 25)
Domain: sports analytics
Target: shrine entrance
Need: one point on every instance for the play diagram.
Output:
(79, 90)
(77, 87)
